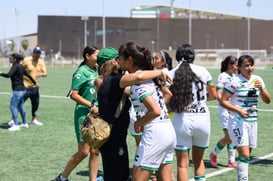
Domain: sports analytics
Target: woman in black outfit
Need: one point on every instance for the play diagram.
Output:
(16, 73)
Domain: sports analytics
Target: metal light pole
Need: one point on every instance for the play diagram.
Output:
(85, 19)
(190, 23)
(171, 9)
(157, 30)
(17, 13)
(248, 25)
(95, 32)
(103, 27)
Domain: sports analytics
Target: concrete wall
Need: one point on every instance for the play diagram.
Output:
(66, 33)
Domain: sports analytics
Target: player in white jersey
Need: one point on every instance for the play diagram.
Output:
(228, 70)
(192, 88)
(156, 147)
(240, 97)
(161, 61)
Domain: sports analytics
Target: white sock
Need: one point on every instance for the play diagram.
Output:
(217, 148)
(242, 169)
(231, 155)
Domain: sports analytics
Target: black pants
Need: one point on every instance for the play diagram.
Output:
(33, 94)
(115, 157)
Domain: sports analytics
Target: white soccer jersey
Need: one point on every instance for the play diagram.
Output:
(199, 92)
(222, 79)
(244, 94)
(140, 92)
(223, 113)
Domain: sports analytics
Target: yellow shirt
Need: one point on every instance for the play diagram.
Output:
(34, 69)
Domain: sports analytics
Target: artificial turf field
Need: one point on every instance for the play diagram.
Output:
(39, 153)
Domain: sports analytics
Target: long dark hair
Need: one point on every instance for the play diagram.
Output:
(183, 79)
(185, 52)
(87, 50)
(168, 59)
(228, 60)
(142, 57)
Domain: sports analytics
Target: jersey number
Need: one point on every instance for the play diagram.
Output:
(199, 86)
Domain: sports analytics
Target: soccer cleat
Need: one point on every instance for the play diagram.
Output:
(36, 122)
(232, 165)
(213, 160)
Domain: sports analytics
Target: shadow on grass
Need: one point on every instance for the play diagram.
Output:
(4, 126)
(86, 173)
(100, 173)
(263, 162)
(208, 165)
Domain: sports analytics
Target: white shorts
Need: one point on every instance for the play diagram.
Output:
(243, 133)
(132, 122)
(223, 115)
(192, 129)
(156, 146)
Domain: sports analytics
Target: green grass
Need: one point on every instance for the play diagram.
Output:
(40, 153)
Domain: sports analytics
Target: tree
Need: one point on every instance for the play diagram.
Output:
(24, 44)
(11, 45)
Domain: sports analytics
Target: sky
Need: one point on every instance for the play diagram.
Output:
(20, 17)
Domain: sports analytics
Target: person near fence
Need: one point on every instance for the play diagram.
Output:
(156, 147)
(228, 70)
(240, 97)
(35, 66)
(111, 88)
(83, 92)
(16, 73)
(192, 87)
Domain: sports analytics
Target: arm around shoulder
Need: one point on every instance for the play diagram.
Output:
(138, 77)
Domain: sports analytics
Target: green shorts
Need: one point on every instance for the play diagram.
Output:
(79, 116)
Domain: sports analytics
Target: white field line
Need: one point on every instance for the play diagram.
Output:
(64, 97)
(219, 172)
(45, 96)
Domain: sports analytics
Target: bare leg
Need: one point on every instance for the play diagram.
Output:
(140, 174)
(93, 164)
(83, 151)
(197, 159)
(165, 172)
(182, 166)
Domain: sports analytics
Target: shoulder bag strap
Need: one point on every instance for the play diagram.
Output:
(120, 105)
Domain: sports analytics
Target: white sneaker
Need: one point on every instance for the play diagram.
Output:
(11, 123)
(14, 128)
(23, 125)
(36, 122)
